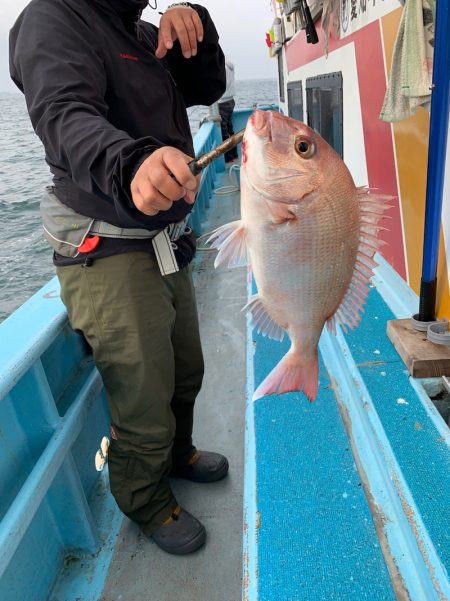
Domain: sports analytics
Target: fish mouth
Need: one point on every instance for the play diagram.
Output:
(273, 129)
(259, 119)
(262, 123)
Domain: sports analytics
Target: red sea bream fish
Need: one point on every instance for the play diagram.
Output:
(310, 236)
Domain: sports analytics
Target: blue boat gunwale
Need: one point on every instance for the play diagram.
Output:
(28, 332)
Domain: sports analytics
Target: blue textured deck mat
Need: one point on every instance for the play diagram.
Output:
(423, 456)
(316, 538)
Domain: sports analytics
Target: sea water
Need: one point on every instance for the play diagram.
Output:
(25, 257)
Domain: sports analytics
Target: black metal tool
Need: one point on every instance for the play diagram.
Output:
(310, 28)
(199, 163)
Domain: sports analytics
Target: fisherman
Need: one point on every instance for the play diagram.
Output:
(107, 95)
(226, 108)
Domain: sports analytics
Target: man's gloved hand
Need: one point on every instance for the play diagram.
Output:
(163, 178)
(179, 23)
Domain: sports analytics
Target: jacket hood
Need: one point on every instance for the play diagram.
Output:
(125, 7)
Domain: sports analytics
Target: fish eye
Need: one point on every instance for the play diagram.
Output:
(304, 147)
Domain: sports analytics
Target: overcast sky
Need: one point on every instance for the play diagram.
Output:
(241, 24)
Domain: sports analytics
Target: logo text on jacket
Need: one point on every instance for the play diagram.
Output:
(128, 57)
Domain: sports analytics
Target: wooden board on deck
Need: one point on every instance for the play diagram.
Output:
(423, 358)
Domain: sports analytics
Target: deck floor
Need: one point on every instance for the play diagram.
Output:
(140, 571)
(308, 487)
(329, 527)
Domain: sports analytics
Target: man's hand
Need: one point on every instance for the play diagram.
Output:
(161, 179)
(179, 23)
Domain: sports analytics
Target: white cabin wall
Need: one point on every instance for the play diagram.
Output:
(283, 105)
(343, 59)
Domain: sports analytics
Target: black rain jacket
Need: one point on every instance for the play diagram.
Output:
(101, 102)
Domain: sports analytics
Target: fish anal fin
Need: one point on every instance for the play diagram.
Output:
(291, 374)
(229, 239)
(262, 321)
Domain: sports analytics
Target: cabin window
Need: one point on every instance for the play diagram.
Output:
(295, 100)
(281, 76)
(291, 5)
(324, 104)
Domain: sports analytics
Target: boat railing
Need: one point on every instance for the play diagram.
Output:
(207, 137)
(51, 405)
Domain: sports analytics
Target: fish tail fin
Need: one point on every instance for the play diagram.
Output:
(292, 373)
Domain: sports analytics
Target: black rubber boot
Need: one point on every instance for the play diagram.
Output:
(203, 467)
(182, 533)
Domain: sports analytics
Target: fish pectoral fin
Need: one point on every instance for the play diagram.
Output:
(231, 243)
(262, 321)
(280, 212)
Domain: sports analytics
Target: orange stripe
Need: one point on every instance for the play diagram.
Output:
(411, 144)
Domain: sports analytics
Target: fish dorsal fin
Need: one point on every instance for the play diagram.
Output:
(230, 241)
(372, 207)
(261, 319)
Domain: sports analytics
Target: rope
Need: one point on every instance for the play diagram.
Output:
(223, 191)
(230, 189)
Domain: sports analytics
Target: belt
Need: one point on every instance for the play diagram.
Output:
(107, 230)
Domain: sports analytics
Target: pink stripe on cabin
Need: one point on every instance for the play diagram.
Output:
(377, 134)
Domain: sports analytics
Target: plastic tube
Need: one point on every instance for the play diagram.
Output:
(437, 150)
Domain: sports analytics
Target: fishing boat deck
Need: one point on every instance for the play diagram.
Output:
(140, 570)
(346, 495)
(316, 537)
(346, 498)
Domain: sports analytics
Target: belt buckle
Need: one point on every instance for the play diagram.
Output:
(176, 230)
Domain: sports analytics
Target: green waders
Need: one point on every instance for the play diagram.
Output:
(143, 330)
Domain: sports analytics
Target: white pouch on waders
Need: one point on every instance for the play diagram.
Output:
(64, 229)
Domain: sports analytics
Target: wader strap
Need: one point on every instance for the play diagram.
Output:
(102, 228)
